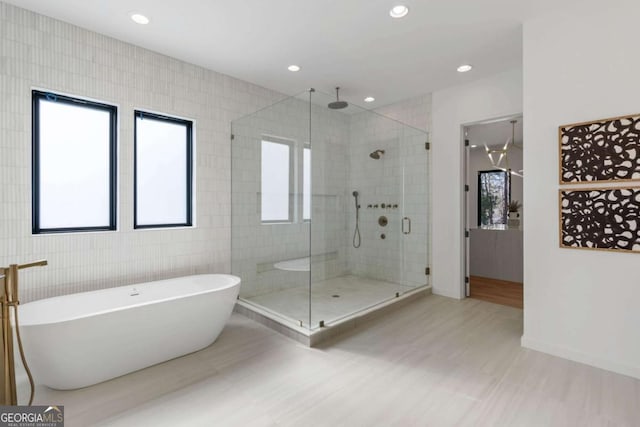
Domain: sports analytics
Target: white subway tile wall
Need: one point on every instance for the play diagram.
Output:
(402, 170)
(41, 52)
(416, 161)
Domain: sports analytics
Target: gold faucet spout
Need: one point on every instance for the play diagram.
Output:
(40, 263)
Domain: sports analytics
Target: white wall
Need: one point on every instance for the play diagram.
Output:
(496, 96)
(38, 51)
(581, 305)
(414, 111)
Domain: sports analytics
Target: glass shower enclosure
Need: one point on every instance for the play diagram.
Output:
(329, 210)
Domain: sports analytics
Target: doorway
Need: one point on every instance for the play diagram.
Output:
(493, 235)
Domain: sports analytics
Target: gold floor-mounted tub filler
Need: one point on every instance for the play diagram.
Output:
(8, 299)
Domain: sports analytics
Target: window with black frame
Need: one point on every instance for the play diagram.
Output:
(277, 180)
(494, 194)
(285, 181)
(163, 171)
(73, 164)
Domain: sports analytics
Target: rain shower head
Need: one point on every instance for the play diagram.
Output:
(376, 154)
(337, 104)
(355, 194)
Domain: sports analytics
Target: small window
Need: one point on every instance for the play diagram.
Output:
(163, 171)
(494, 193)
(74, 164)
(276, 181)
(306, 184)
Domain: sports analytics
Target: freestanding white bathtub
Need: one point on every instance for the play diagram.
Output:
(77, 340)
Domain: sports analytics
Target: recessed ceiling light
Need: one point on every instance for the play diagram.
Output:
(399, 11)
(293, 68)
(139, 19)
(369, 99)
(473, 146)
(464, 68)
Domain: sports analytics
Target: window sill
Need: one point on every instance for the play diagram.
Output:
(73, 233)
(177, 227)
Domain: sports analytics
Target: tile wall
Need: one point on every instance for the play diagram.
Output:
(403, 169)
(40, 52)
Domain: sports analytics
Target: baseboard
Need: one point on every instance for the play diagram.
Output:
(447, 294)
(576, 356)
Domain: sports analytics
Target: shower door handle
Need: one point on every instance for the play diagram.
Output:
(406, 220)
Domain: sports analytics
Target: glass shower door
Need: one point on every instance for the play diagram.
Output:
(357, 188)
(270, 236)
(415, 164)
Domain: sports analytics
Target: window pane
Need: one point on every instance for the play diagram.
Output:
(161, 172)
(493, 197)
(306, 184)
(275, 181)
(74, 158)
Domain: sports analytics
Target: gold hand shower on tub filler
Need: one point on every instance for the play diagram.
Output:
(8, 299)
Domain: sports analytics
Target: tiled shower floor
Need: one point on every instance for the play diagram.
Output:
(353, 294)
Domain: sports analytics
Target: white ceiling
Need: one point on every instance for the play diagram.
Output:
(351, 43)
(495, 133)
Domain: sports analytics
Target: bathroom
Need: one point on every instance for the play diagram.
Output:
(143, 240)
(345, 307)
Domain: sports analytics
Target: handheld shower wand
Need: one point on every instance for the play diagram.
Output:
(356, 233)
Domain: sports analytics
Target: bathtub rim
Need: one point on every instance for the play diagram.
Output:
(24, 321)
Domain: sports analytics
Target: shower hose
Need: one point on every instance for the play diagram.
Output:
(356, 232)
(24, 360)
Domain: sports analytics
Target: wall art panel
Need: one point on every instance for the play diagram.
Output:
(603, 150)
(600, 218)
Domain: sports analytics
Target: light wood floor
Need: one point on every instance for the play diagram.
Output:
(496, 291)
(436, 362)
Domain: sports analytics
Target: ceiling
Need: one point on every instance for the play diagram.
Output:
(351, 43)
(494, 134)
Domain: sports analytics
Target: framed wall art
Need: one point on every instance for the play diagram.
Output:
(600, 218)
(602, 150)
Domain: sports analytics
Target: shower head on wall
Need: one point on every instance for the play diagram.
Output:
(337, 104)
(376, 154)
(355, 194)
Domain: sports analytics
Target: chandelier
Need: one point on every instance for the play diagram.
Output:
(497, 156)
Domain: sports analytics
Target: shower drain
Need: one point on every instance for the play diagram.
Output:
(335, 296)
